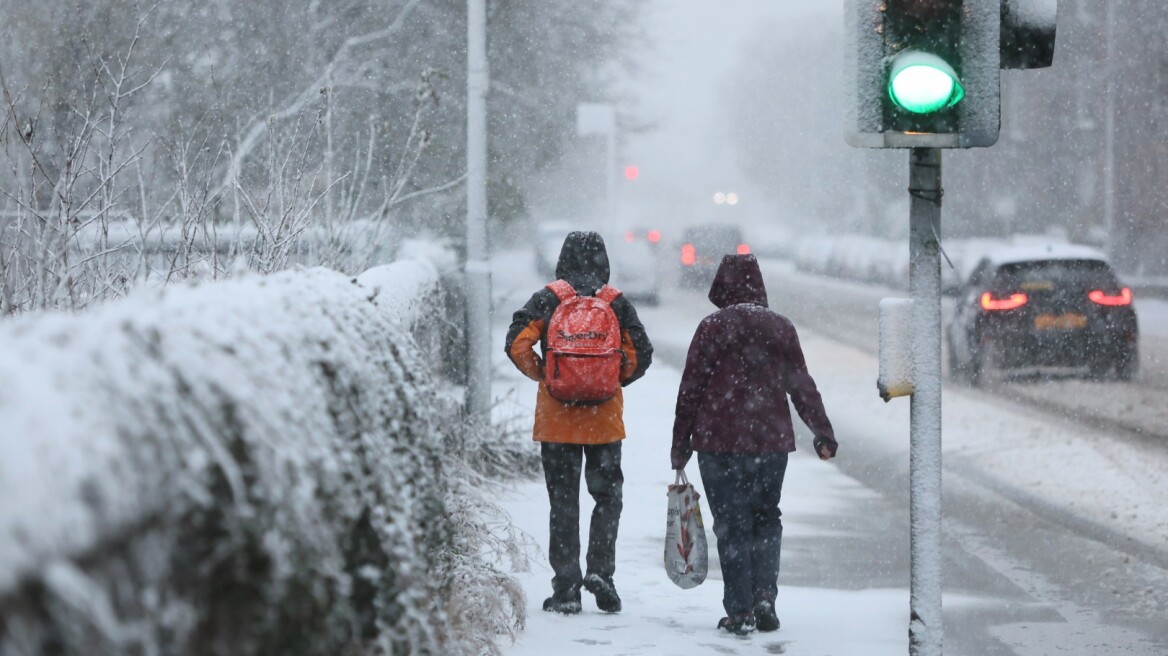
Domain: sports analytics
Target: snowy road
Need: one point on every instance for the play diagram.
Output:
(847, 312)
(1054, 537)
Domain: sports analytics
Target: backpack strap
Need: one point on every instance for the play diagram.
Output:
(608, 294)
(562, 289)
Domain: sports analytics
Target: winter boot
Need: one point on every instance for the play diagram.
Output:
(739, 624)
(764, 616)
(607, 599)
(567, 603)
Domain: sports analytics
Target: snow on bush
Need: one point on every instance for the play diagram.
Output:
(244, 467)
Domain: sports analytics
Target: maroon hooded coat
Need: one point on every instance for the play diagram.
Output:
(743, 363)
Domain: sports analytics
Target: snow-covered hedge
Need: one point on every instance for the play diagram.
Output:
(241, 467)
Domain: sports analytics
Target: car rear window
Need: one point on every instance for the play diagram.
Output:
(723, 239)
(1046, 275)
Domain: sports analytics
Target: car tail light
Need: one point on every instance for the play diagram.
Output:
(654, 236)
(991, 302)
(743, 249)
(689, 254)
(1124, 297)
(630, 236)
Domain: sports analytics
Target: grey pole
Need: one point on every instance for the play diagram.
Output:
(1109, 136)
(925, 631)
(600, 118)
(610, 222)
(478, 271)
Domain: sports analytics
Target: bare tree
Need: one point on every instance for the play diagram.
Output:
(67, 183)
(163, 143)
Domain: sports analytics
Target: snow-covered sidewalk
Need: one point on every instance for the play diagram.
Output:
(658, 617)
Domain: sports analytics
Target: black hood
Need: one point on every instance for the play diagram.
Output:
(739, 280)
(583, 262)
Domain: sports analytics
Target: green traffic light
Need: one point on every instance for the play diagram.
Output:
(922, 83)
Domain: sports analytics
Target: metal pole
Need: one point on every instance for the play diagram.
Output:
(925, 630)
(1109, 137)
(610, 179)
(478, 272)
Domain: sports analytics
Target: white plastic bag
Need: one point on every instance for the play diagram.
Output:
(687, 557)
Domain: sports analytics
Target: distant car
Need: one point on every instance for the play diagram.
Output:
(701, 251)
(1042, 307)
(640, 233)
(634, 270)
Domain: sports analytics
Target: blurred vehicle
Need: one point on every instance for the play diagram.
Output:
(634, 270)
(549, 238)
(651, 236)
(701, 251)
(1031, 307)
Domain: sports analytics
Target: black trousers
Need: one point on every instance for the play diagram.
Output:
(744, 491)
(605, 481)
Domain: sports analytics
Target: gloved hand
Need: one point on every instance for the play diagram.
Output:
(825, 447)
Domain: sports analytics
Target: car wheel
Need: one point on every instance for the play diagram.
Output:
(1100, 368)
(956, 371)
(982, 363)
(1130, 366)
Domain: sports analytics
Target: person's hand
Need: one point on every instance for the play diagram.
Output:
(825, 448)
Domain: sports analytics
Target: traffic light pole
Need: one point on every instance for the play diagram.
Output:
(925, 631)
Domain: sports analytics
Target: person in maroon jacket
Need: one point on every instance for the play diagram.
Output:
(743, 363)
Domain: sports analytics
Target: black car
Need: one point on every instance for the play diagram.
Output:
(1025, 309)
(701, 251)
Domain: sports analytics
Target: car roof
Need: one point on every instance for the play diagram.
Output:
(638, 247)
(1043, 252)
(713, 226)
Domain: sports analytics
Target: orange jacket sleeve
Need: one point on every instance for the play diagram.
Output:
(522, 351)
(629, 364)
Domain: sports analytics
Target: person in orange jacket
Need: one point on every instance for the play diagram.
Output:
(572, 436)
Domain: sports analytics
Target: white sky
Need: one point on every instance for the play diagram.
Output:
(691, 47)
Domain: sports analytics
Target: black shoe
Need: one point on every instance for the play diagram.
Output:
(566, 605)
(740, 624)
(607, 599)
(764, 616)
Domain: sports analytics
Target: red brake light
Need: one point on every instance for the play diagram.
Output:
(743, 249)
(689, 254)
(1123, 298)
(654, 236)
(1011, 302)
(630, 236)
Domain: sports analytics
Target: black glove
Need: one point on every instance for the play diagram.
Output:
(825, 444)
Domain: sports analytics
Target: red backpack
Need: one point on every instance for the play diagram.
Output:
(583, 346)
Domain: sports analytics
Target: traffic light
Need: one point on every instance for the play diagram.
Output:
(1028, 31)
(923, 73)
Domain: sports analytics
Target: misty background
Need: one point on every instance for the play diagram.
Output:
(748, 95)
(285, 117)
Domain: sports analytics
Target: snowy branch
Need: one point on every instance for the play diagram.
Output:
(311, 93)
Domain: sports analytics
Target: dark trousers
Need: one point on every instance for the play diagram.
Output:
(605, 480)
(744, 492)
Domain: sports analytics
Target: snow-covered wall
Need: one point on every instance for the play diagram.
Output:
(243, 467)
